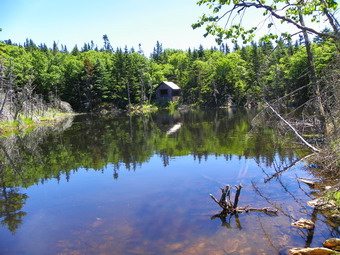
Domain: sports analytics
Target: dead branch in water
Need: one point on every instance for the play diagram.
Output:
(230, 208)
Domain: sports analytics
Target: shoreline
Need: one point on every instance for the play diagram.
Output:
(8, 128)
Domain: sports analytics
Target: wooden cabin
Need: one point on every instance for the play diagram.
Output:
(167, 91)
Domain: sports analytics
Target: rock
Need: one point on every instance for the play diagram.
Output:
(303, 223)
(310, 251)
(332, 243)
(65, 107)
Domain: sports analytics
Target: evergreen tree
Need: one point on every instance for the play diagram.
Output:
(226, 49)
(140, 50)
(43, 47)
(157, 51)
(107, 44)
(55, 48)
(85, 48)
(236, 46)
(200, 51)
(75, 51)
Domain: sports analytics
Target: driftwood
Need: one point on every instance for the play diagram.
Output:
(231, 208)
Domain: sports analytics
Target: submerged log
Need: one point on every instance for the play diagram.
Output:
(229, 207)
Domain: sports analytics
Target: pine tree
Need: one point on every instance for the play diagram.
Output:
(226, 49)
(236, 46)
(75, 51)
(200, 51)
(55, 48)
(107, 44)
(140, 50)
(157, 51)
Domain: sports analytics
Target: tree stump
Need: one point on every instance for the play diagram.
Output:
(230, 207)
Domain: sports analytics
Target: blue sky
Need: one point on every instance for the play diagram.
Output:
(126, 22)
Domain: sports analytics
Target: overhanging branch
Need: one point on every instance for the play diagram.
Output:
(272, 11)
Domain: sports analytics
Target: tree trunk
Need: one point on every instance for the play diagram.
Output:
(313, 79)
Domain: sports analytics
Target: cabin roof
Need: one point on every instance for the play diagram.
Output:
(171, 85)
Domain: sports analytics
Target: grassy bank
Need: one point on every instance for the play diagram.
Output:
(27, 124)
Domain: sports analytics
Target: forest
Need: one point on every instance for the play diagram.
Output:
(91, 78)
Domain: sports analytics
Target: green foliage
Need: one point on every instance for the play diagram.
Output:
(121, 78)
(336, 197)
(233, 11)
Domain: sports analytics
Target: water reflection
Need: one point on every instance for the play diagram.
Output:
(11, 204)
(140, 184)
(94, 142)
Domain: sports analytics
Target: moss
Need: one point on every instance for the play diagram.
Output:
(336, 197)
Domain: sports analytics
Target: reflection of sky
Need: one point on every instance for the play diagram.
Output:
(154, 207)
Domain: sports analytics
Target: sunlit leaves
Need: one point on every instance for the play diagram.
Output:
(222, 24)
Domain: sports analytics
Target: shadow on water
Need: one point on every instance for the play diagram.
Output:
(139, 185)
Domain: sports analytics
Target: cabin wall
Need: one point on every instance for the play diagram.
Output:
(164, 94)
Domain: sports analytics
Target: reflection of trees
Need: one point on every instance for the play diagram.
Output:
(126, 142)
(17, 154)
(11, 200)
(93, 143)
(11, 203)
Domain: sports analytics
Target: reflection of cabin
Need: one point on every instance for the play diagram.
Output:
(167, 91)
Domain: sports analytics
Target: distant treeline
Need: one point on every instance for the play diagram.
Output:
(89, 78)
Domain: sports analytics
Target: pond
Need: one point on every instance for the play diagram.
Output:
(140, 185)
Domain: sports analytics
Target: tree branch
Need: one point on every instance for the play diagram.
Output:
(330, 18)
(294, 130)
(259, 5)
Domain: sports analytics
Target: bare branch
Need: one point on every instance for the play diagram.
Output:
(294, 130)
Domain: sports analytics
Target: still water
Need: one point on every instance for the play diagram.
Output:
(141, 184)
